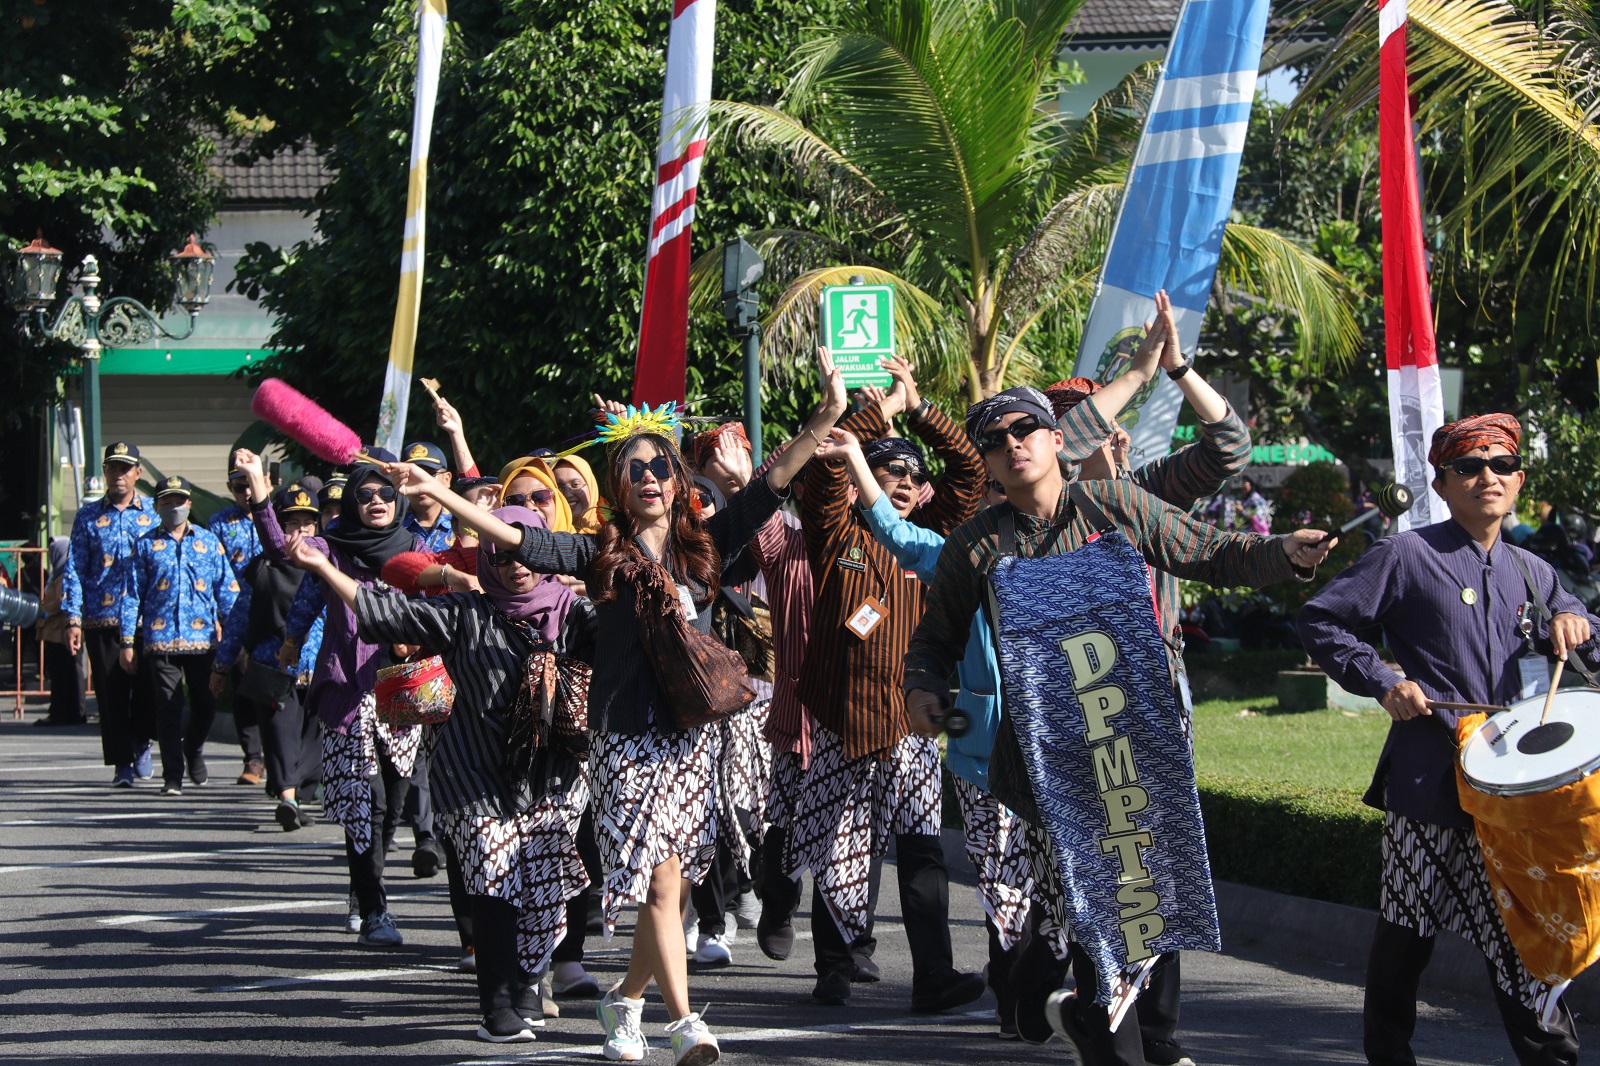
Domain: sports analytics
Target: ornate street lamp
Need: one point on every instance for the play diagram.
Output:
(90, 325)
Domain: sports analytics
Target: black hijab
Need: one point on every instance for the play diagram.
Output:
(364, 546)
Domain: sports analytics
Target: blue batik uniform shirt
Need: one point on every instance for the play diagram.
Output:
(266, 651)
(238, 535)
(437, 539)
(102, 537)
(175, 591)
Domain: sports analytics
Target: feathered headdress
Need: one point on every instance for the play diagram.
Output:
(612, 429)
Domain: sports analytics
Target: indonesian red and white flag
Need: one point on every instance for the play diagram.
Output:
(659, 372)
(1416, 404)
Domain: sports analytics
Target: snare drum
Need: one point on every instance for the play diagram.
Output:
(1511, 754)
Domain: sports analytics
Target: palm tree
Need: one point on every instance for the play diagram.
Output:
(1520, 100)
(942, 163)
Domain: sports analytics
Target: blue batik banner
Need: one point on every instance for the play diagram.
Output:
(1086, 684)
(1169, 229)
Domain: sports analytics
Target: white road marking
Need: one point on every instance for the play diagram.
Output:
(164, 856)
(153, 812)
(52, 769)
(734, 1039)
(253, 908)
(337, 977)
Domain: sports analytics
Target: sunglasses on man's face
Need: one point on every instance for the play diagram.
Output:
(660, 466)
(385, 493)
(899, 471)
(1472, 465)
(540, 497)
(236, 487)
(1021, 429)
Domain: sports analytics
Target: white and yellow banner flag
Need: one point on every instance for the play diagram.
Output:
(403, 342)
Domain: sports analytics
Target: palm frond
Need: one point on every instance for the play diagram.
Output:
(1522, 101)
(1070, 239)
(1275, 270)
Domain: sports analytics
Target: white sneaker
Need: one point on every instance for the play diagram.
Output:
(571, 979)
(712, 950)
(621, 1016)
(747, 912)
(692, 1042)
(352, 916)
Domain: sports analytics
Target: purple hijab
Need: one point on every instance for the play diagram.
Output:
(545, 605)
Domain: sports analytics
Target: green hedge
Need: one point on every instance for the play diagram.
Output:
(1320, 843)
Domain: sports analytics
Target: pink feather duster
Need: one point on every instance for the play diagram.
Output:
(303, 419)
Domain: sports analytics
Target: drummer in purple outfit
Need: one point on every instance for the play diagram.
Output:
(1450, 597)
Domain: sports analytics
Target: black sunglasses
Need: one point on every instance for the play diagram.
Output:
(706, 499)
(660, 466)
(237, 487)
(1021, 429)
(539, 496)
(385, 493)
(899, 471)
(1472, 465)
(498, 557)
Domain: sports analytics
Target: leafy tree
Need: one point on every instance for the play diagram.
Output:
(943, 165)
(539, 191)
(109, 116)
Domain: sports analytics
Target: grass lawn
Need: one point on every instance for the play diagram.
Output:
(1325, 749)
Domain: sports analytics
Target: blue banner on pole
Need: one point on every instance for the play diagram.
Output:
(1089, 693)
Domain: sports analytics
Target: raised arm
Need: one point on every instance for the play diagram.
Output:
(438, 622)
(449, 420)
(800, 448)
(958, 494)
(1199, 470)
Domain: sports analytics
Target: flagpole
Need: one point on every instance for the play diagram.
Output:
(431, 15)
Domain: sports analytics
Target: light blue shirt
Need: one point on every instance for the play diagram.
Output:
(917, 549)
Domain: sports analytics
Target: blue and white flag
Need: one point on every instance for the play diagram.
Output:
(1169, 230)
(1087, 688)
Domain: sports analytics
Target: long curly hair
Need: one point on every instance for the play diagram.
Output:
(689, 545)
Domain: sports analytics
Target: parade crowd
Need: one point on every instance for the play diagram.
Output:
(672, 678)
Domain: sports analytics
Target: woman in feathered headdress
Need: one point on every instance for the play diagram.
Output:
(654, 786)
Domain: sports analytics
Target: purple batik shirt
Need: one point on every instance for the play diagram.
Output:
(1415, 586)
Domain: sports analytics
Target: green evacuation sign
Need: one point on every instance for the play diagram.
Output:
(858, 331)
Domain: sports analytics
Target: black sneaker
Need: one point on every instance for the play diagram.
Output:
(426, 857)
(305, 816)
(288, 815)
(776, 942)
(953, 989)
(832, 989)
(197, 769)
(505, 1026)
(866, 971)
(172, 788)
(1062, 1011)
(1165, 1053)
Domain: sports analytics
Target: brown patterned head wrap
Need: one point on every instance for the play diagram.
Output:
(705, 442)
(1468, 435)
(1065, 395)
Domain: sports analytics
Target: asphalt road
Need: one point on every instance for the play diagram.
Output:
(136, 928)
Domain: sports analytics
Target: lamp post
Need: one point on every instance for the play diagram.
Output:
(741, 269)
(92, 324)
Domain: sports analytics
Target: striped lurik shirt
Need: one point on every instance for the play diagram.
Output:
(484, 653)
(850, 685)
(1182, 478)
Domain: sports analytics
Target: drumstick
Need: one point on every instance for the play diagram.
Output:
(1470, 708)
(1555, 683)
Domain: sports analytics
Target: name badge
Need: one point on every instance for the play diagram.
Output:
(687, 600)
(1534, 671)
(853, 564)
(867, 617)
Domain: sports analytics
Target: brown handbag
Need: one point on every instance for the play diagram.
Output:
(701, 679)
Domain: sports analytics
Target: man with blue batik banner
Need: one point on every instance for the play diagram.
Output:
(1015, 431)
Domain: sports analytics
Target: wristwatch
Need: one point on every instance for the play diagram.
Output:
(921, 410)
(1178, 371)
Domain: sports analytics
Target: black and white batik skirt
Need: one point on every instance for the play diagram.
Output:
(655, 797)
(846, 810)
(998, 848)
(350, 759)
(745, 785)
(531, 861)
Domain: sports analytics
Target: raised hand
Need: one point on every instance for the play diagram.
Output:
(734, 457)
(1148, 356)
(900, 370)
(247, 462)
(831, 382)
(840, 443)
(609, 407)
(447, 416)
(411, 480)
(1172, 349)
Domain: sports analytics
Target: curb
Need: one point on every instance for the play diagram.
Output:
(1292, 926)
